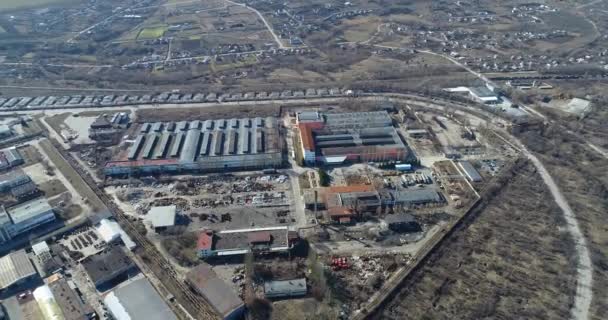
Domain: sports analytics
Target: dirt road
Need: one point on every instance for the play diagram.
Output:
(584, 283)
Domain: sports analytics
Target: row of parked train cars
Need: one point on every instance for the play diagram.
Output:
(78, 101)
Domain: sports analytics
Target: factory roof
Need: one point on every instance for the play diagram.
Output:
(221, 296)
(4, 129)
(417, 196)
(482, 92)
(285, 287)
(137, 299)
(469, 171)
(102, 265)
(205, 240)
(14, 267)
(309, 116)
(161, 216)
(307, 138)
(28, 210)
(71, 305)
(399, 218)
(40, 248)
(13, 178)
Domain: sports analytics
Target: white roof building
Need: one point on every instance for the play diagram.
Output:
(110, 231)
(47, 303)
(137, 299)
(160, 217)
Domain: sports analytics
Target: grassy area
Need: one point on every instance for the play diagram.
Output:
(30, 155)
(152, 32)
(9, 5)
(182, 248)
(52, 188)
(70, 212)
(57, 121)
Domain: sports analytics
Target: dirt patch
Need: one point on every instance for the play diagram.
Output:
(52, 188)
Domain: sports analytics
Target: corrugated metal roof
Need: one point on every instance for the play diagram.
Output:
(469, 171)
(15, 267)
(28, 210)
(137, 299)
(285, 288)
(190, 145)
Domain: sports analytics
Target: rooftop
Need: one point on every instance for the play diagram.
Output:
(482, 92)
(27, 210)
(285, 287)
(223, 298)
(137, 299)
(14, 267)
(101, 266)
(242, 239)
(205, 240)
(162, 216)
(417, 196)
(72, 307)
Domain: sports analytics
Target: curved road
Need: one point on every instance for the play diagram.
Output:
(268, 26)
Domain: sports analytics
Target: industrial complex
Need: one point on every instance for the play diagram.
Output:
(202, 146)
(336, 138)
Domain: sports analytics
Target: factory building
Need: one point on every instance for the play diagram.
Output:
(336, 138)
(137, 299)
(410, 198)
(24, 217)
(202, 146)
(469, 171)
(285, 289)
(161, 218)
(12, 180)
(402, 222)
(70, 303)
(5, 131)
(216, 292)
(109, 268)
(484, 95)
(16, 268)
(10, 158)
(239, 242)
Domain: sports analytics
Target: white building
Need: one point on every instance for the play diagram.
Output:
(24, 217)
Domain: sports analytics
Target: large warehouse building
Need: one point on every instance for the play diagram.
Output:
(24, 217)
(205, 146)
(335, 138)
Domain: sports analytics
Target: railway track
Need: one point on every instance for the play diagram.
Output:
(148, 253)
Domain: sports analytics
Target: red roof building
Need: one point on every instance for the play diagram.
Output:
(205, 241)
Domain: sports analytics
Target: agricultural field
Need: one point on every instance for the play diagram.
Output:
(10, 5)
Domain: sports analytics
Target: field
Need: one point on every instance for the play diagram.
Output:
(583, 177)
(9, 5)
(152, 32)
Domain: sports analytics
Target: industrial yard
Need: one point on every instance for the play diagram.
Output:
(264, 160)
